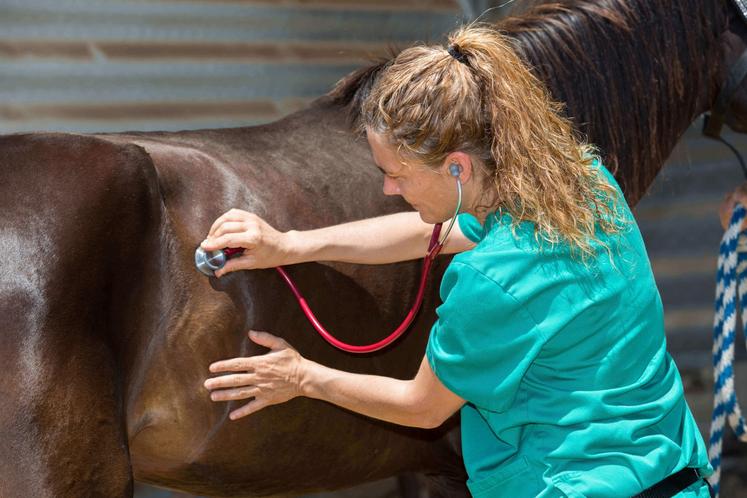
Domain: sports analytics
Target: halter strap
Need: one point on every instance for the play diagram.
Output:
(738, 72)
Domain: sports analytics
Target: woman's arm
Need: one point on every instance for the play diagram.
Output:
(385, 239)
(283, 374)
(421, 402)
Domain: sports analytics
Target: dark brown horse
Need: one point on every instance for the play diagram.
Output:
(107, 329)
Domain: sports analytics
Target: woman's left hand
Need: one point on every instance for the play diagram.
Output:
(270, 379)
(738, 195)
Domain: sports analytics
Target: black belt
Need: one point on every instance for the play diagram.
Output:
(666, 488)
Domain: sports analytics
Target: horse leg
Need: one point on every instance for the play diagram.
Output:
(60, 417)
(409, 486)
(437, 485)
(446, 486)
(450, 480)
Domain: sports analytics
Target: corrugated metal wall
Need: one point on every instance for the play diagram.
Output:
(85, 65)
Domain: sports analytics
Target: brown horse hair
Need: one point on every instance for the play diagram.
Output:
(629, 63)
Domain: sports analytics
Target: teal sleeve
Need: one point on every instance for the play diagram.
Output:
(470, 227)
(483, 341)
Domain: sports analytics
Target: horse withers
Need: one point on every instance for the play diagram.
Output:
(108, 329)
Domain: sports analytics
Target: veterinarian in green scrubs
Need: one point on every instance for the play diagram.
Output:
(550, 339)
(570, 386)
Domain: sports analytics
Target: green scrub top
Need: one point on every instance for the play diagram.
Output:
(570, 390)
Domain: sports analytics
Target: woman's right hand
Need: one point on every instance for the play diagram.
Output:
(264, 246)
(738, 195)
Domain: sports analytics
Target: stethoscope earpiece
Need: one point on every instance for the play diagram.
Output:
(455, 170)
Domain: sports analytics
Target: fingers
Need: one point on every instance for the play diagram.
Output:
(269, 379)
(226, 381)
(244, 262)
(223, 231)
(247, 240)
(233, 365)
(725, 210)
(235, 394)
(740, 197)
(249, 408)
(229, 227)
(267, 340)
(230, 215)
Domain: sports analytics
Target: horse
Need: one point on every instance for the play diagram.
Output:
(108, 329)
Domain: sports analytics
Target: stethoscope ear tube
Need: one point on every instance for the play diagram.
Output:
(434, 248)
(458, 208)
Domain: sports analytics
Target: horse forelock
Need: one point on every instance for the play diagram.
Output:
(632, 73)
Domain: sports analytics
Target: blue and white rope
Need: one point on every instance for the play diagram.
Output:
(731, 280)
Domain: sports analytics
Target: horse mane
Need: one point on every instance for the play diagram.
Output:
(630, 72)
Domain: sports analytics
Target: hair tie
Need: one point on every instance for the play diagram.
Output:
(457, 54)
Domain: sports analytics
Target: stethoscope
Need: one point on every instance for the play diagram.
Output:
(208, 262)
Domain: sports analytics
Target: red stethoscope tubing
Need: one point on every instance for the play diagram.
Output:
(434, 247)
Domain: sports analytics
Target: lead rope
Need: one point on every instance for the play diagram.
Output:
(731, 279)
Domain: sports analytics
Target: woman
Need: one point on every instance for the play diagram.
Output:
(550, 338)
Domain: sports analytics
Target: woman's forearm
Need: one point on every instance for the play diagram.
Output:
(378, 397)
(385, 239)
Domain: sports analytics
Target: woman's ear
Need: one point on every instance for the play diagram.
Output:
(460, 162)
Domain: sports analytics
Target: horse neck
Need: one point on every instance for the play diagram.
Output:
(634, 73)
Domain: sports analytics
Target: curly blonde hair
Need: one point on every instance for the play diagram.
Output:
(428, 104)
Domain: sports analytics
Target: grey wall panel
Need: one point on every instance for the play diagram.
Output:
(86, 65)
(679, 221)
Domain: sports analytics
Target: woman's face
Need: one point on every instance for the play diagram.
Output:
(432, 192)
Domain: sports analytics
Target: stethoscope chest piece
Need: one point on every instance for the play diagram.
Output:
(208, 262)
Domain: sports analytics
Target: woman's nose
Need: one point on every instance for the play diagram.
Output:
(390, 186)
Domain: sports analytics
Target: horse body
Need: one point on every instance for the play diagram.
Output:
(142, 212)
(110, 329)
(187, 438)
